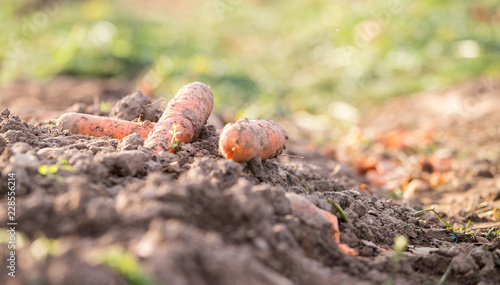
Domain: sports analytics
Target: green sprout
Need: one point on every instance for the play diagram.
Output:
(400, 244)
(51, 170)
(43, 247)
(47, 170)
(465, 228)
(442, 281)
(125, 264)
(174, 143)
(105, 107)
(339, 209)
(435, 213)
(492, 234)
(455, 236)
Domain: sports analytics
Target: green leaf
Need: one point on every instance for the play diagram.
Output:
(67, 167)
(452, 237)
(126, 264)
(43, 169)
(53, 169)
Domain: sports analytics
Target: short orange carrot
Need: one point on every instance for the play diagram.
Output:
(189, 110)
(301, 204)
(247, 139)
(96, 126)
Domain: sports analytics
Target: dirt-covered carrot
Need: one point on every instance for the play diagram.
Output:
(301, 204)
(189, 110)
(96, 126)
(247, 139)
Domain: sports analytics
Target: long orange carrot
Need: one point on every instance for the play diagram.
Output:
(301, 204)
(96, 126)
(247, 139)
(189, 110)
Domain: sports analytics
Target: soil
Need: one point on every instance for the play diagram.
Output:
(113, 212)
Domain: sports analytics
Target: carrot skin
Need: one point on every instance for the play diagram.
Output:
(189, 109)
(301, 204)
(97, 126)
(247, 139)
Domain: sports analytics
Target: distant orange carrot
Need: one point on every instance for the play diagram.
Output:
(438, 178)
(96, 126)
(365, 164)
(301, 204)
(189, 109)
(375, 178)
(416, 185)
(247, 139)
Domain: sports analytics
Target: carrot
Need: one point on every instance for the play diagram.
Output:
(247, 139)
(301, 204)
(96, 126)
(189, 110)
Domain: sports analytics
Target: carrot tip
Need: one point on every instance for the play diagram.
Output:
(345, 248)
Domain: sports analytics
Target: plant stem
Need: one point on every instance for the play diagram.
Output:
(435, 213)
(339, 209)
(446, 273)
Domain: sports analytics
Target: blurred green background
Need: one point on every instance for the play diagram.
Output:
(261, 58)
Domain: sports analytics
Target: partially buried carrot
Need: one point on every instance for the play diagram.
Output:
(96, 126)
(189, 110)
(247, 139)
(301, 204)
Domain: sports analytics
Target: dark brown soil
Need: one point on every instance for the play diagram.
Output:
(196, 218)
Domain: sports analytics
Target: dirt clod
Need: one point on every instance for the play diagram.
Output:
(136, 106)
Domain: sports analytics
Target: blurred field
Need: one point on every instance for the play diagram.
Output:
(319, 68)
(261, 58)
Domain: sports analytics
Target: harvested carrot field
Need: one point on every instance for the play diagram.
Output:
(95, 210)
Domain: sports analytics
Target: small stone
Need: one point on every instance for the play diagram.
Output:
(368, 243)
(50, 152)
(24, 159)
